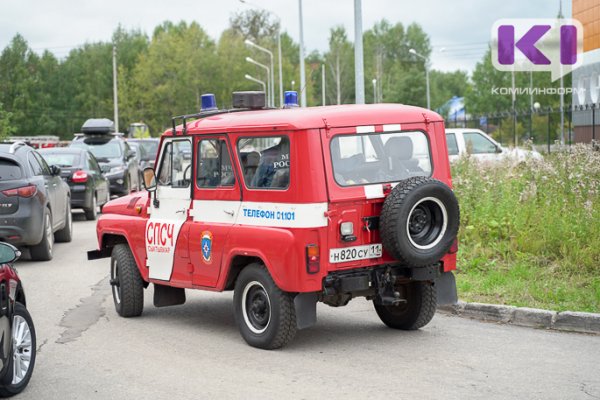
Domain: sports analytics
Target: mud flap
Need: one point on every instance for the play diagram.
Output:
(168, 296)
(305, 305)
(445, 286)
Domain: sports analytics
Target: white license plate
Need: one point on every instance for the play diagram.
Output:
(355, 253)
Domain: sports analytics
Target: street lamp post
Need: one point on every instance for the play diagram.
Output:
(374, 90)
(414, 52)
(278, 53)
(271, 76)
(302, 72)
(250, 78)
(252, 61)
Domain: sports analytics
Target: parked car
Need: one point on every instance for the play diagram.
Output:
(481, 146)
(35, 203)
(18, 344)
(318, 204)
(80, 169)
(117, 160)
(148, 149)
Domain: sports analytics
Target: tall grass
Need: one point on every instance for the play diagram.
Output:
(530, 231)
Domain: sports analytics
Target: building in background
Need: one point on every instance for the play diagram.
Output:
(586, 79)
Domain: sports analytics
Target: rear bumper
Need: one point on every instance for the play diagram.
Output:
(80, 196)
(25, 227)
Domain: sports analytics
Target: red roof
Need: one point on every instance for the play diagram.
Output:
(313, 117)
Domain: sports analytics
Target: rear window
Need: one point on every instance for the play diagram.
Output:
(62, 160)
(9, 170)
(101, 150)
(379, 157)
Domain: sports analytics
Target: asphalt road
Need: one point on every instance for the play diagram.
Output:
(194, 351)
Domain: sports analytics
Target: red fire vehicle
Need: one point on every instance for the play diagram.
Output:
(288, 208)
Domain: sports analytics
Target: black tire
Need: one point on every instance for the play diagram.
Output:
(264, 313)
(8, 386)
(419, 221)
(65, 235)
(127, 283)
(92, 212)
(416, 312)
(43, 250)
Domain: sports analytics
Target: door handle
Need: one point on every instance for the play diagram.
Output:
(229, 212)
(183, 210)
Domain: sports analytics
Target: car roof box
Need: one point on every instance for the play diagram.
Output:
(102, 126)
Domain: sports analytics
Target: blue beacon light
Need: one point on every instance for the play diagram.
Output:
(290, 99)
(208, 102)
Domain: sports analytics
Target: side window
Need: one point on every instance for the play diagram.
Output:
(45, 168)
(174, 169)
(265, 162)
(35, 165)
(476, 143)
(214, 164)
(452, 145)
(93, 164)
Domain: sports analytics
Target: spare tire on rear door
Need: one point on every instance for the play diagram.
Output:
(419, 221)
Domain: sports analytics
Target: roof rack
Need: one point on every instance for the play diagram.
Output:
(15, 146)
(200, 115)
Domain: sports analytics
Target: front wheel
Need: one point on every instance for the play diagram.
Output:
(264, 313)
(416, 312)
(23, 353)
(43, 250)
(66, 233)
(92, 212)
(127, 283)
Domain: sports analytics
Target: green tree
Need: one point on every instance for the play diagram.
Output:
(6, 128)
(339, 61)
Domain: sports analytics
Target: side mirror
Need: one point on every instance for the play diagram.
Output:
(54, 170)
(8, 253)
(130, 154)
(498, 149)
(149, 179)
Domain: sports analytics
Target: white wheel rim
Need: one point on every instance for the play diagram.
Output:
(22, 349)
(442, 230)
(249, 324)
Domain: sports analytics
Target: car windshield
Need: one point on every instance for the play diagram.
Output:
(61, 159)
(379, 157)
(101, 150)
(149, 149)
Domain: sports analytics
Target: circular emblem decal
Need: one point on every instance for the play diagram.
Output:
(206, 245)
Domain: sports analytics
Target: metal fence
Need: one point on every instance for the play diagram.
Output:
(541, 126)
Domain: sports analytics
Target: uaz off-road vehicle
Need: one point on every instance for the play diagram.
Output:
(288, 208)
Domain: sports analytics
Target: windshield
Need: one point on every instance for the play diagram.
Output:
(101, 150)
(148, 148)
(62, 160)
(379, 157)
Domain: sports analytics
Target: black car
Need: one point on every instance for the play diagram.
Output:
(79, 168)
(17, 333)
(35, 203)
(117, 160)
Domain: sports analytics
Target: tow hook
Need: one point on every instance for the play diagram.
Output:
(387, 295)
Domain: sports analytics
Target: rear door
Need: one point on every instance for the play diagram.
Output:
(363, 165)
(217, 200)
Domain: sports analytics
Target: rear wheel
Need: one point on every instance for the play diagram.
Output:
(43, 250)
(416, 312)
(127, 283)
(264, 313)
(92, 212)
(23, 353)
(66, 233)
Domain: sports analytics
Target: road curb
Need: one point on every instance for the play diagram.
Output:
(568, 321)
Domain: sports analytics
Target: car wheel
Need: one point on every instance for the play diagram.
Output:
(264, 313)
(43, 250)
(127, 283)
(416, 312)
(105, 201)
(66, 233)
(92, 212)
(419, 221)
(23, 353)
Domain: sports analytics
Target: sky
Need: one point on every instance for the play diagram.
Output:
(459, 30)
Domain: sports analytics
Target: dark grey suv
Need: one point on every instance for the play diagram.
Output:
(35, 207)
